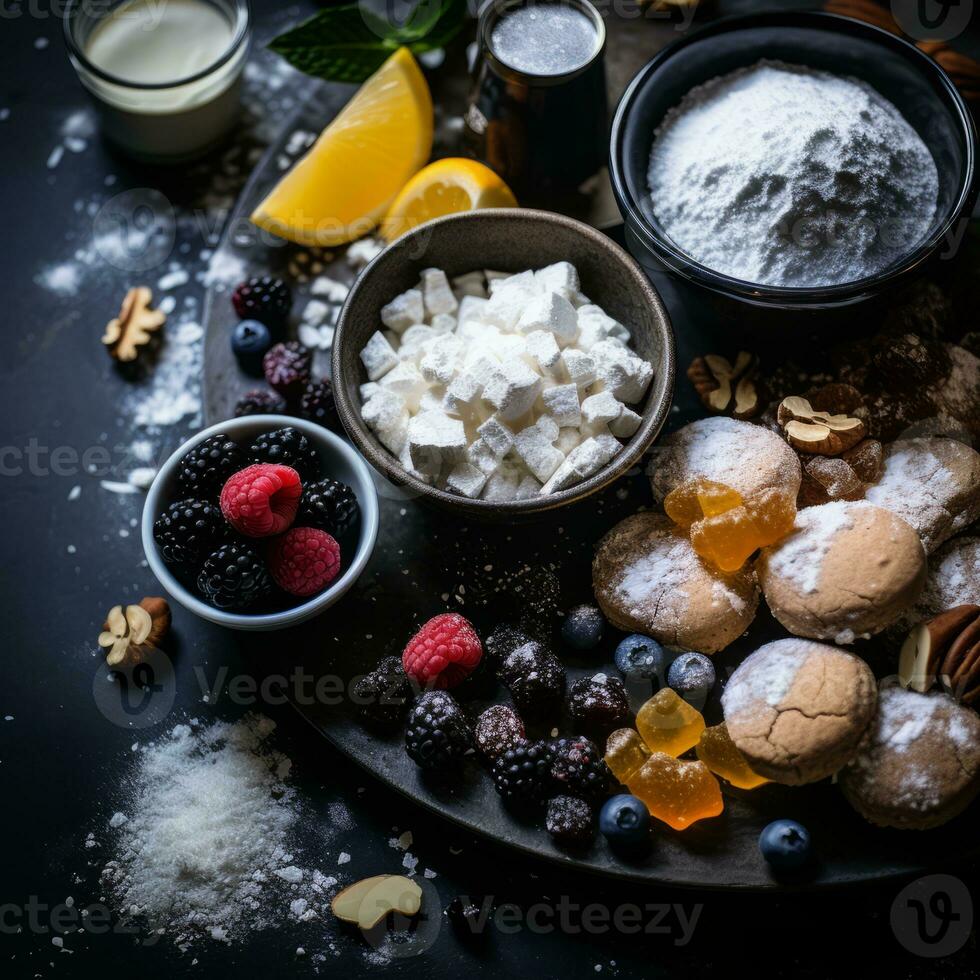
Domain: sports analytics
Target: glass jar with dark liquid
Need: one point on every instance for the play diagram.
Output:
(538, 111)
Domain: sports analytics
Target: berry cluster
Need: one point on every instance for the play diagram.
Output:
(251, 522)
(263, 303)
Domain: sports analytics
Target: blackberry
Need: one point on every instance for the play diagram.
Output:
(287, 447)
(287, 368)
(503, 641)
(260, 401)
(189, 530)
(383, 695)
(497, 730)
(583, 627)
(522, 775)
(329, 505)
(318, 405)
(437, 736)
(234, 577)
(598, 701)
(534, 676)
(578, 768)
(203, 470)
(263, 298)
(570, 821)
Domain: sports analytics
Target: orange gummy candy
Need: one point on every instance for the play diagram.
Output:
(676, 791)
(625, 753)
(667, 723)
(721, 755)
(725, 529)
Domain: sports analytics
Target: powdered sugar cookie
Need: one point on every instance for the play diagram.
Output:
(648, 579)
(848, 570)
(797, 710)
(953, 579)
(934, 484)
(748, 458)
(921, 763)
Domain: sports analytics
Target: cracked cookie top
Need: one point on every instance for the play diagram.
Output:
(797, 710)
(920, 765)
(648, 579)
(848, 570)
(933, 484)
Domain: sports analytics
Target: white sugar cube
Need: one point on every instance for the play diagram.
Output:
(378, 356)
(437, 294)
(466, 480)
(443, 323)
(431, 401)
(508, 300)
(470, 308)
(497, 435)
(562, 404)
(403, 311)
(386, 415)
(579, 367)
(513, 389)
(435, 440)
(602, 408)
(315, 312)
(508, 346)
(543, 347)
(621, 371)
(406, 380)
(368, 390)
(413, 342)
(405, 459)
(502, 486)
(568, 439)
(335, 291)
(442, 359)
(583, 461)
(469, 284)
(562, 277)
(481, 455)
(534, 446)
(550, 312)
(564, 477)
(595, 325)
(462, 394)
(626, 425)
(528, 487)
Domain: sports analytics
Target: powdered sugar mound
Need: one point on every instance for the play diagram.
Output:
(764, 677)
(203, 846)
(799, 558)
(786, 175)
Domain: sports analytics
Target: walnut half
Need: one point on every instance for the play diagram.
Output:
(820, 433)
(726, 388)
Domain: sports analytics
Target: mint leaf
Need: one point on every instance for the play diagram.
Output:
(348, 43)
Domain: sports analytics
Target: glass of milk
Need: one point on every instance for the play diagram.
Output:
(538, 111)
(165, 75)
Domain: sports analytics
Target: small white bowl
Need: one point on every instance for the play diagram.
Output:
(340, 462)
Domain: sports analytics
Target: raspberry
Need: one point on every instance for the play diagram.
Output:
(234, 577)
(287, 447)
(260, 401)
(443, 653)
(437, 736)
(261, 500)
(579, 768)
(329, 505)
(535, 678)
(570, 821)
(189, 530)
(263, 298)
(522, 775)
(304, 561)
(287, 368)
(598, 701)
(497, 730)
(383, 695)
(318, 405)
(203, 470)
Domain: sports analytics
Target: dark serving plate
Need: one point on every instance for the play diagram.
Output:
(427, 562)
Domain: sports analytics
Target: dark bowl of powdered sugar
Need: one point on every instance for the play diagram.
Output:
(792, 161)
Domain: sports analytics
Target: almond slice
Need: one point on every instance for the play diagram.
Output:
(346, 904)
(395, 894)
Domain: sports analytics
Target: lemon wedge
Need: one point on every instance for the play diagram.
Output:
(344, 185)
(445, 187)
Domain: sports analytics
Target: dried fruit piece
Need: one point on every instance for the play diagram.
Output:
(625, 753)
(134, 327)
(129, 633)
(676, 791)
(811, 431)
(726, 388)
(720, 754)
(667, 723)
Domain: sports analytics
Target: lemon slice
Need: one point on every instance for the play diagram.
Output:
(343, 186)
(445, 187)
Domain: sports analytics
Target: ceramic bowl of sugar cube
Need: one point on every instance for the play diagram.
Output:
(503, 363)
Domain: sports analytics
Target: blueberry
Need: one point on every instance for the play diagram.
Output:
(640, 658)
(692, 676)
(249, 342)
(785, 844)
(583, 628)
(625, 822)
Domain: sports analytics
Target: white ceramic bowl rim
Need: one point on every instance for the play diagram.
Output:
(153, 507)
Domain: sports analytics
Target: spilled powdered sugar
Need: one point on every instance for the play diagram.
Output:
(953, 578)
(765, 677)
(799, 558)
(660, 574)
